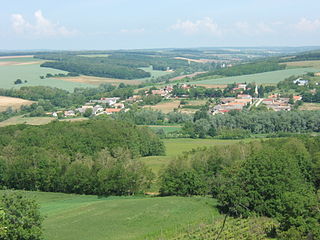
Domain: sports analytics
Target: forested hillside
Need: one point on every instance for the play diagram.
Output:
(93, 157)
(278, 178)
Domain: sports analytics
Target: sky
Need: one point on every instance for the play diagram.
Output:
(145, 24)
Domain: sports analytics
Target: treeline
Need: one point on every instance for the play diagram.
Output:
(91, 157)
(275, 178)
(308, 56)
(98, 69)
(244, 69)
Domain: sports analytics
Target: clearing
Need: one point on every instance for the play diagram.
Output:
(15, 103)
(259, 78)
(310, 106)
(165, 107)
(81, 217)
(175, 147)
(314, 64)
(26, 68)
(26, 120)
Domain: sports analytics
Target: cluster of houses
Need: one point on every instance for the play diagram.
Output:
(277, 103)
(231, 103)
(96, 108)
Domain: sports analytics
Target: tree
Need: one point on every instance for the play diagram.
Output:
(18, 81)
(21, 217)
(88, 112)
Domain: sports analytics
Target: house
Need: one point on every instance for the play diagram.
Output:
(301, 82)
(317, 74)
(297, 98)
(160, 92)
(118, 105)
(227, 100)
(112, 110)
(69, 113)
(242, 86)
(245, 101)
(272, 96)
(97, 109)
(267, 101)
(84, 108)
(244, 96)
(109, 101)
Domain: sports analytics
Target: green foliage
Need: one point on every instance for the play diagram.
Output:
(20, 217)
(72, 157)
(236, 133)
(244, 69)
(273, 182)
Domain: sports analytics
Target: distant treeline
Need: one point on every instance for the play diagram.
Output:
(91, 157)
(314, 55)
(244, 69)
(278, 178)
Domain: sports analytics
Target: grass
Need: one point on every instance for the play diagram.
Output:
(26, 120)
(310, 106)
(166, 129)
(259, 78)
(175, 147)
(32, 73)
(80, 217)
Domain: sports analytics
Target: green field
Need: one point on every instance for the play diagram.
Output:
(259, 78)
(174, 147)
(166, 129)
(32, 73)
(80, 217)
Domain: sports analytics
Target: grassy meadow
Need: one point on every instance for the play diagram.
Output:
(260, 78)
(81, 217)
(29, 69)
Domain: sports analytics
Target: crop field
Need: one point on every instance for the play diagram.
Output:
(310, 106)
(28, 69)
(15, 103)
(165, 107)
(26, 120)
(314, 64)
(260, 78)
(81, 217)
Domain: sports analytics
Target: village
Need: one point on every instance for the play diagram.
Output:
(239, 100)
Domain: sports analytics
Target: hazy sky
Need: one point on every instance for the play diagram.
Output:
(127, 24)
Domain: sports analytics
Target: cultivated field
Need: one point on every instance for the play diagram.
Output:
(165, 107)
(27, 68)
(80, 217)
(166, 129)
(310, 106)
(26, 120)
(259, 78)
(314, 64)
(15, 103)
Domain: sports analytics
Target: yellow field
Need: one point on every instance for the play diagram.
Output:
(99, 80)
(15, 103)
(315, 64)
(165, 107)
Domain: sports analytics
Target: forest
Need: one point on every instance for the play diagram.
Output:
(244, 69)
(277, 178)
(92, 157)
